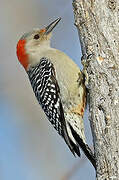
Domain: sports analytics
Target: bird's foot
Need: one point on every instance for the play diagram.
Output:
(85, 60)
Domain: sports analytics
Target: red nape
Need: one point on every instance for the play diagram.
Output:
(21, 53)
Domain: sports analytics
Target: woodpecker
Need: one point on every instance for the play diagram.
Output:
(58, 86)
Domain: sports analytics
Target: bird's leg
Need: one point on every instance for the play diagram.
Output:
(85, 60)
(81, 78)
(83, 75)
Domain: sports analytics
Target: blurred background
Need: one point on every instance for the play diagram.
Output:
(30, 149)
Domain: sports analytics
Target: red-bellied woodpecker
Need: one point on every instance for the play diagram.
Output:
(58, 86)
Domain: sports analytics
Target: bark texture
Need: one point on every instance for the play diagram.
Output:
(98, 26)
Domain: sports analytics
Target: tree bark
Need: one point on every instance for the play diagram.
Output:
(98, 26)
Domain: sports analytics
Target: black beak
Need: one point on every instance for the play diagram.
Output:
(50, 27)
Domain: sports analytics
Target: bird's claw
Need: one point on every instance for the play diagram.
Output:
(85, 60)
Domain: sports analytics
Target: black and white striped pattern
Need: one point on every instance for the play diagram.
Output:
(46, 89)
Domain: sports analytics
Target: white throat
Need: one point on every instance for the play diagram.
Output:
(36, 52)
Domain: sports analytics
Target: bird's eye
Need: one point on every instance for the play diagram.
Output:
(36, 36)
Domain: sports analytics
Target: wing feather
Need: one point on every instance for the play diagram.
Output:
(45, 86)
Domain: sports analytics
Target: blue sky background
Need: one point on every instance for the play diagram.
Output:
(30, 149)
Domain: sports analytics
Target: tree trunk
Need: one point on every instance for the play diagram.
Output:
(98, 26)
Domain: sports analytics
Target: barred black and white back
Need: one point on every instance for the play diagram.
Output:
(45, 86)
(46, 91)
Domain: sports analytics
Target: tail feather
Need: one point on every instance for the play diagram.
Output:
(75, 148)
(87, 151)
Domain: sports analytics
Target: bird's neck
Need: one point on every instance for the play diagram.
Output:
(39, 52)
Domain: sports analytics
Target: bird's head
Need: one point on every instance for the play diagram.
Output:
(36, 40)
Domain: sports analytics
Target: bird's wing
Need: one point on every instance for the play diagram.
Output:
(47, 91)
